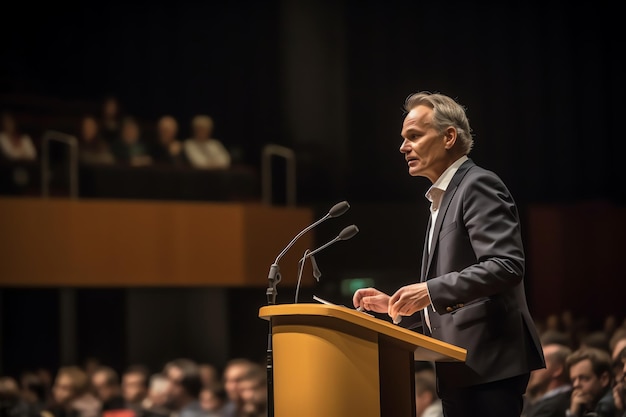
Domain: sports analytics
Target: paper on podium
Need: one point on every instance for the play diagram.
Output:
(316, 298)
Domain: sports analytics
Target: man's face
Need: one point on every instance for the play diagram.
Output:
(102, 388)
(167, 130)
(133, 387)
(424, 147)
(232, 377)
(63, 389)
(253, 395)
(176, 392)
(586, 383)
(209, 401)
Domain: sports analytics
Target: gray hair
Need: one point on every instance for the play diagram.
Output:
(446, 112)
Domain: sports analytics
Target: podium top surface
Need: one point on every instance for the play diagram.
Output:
(425, 348)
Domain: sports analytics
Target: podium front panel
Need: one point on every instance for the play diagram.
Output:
(323, 372)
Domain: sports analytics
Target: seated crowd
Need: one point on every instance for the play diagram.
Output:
(585, 375)
(113, 138)
(585, 370)
(183, 388)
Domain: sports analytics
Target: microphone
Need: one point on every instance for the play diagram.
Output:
(274, 273)
(347, 233)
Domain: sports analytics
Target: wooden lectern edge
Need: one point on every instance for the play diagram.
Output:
(449, 351)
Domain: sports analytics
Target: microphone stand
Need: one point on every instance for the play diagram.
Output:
(271, 292)
(274, 278)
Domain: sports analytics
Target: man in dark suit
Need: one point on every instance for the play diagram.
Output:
(471, 291)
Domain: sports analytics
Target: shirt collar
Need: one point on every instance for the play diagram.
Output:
(444, 180)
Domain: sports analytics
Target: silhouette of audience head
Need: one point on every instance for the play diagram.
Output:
(553, 375)
(185, 382)
(202, 127)
(253, 391)
(130, 131)
(71, 382)
(234, 372)
(167, 129)
(135, 384)
(105, 382)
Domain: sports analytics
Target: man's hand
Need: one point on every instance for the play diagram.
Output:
(408, 300)
(371, 299)
(579, 401)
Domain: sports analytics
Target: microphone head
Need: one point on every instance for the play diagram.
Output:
(348, 232)
(338, 209)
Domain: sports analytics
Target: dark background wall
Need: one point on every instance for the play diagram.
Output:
(543, 86)
(542, 83)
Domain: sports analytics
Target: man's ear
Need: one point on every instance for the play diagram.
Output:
(558, 371)
(449, 137)
(605, 379)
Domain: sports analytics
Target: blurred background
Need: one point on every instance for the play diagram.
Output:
(322, 82)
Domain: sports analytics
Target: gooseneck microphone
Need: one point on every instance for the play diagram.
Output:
(274, 278)
(347, 233)
(274, 273)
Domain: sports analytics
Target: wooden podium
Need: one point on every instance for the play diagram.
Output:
(334, 361)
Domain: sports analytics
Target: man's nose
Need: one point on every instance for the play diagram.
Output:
(404, 146)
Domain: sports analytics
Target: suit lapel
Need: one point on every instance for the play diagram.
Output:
(443, 208)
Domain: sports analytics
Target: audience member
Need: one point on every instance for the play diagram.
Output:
(33, 391)
(209, 374)
(202, 150)
(610, 325)
(129, 148)
(617, 342)
(71, 395)
(427, 402)
(110, 119)
(135, 386)
(252, 389)
(11, 403)
(167, 149)
(93, 149)
(45, 375)
(90, 365)
(14, 144)
(213, 398)
(549, 389)
(234, 372)
(156, 401)
(619, 389)
(106, 384)
(184, 387)
(590, 374)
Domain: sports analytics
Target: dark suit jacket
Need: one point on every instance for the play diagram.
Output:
(554, 406)
(475, 273)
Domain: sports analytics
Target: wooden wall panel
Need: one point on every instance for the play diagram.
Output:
(61, 242)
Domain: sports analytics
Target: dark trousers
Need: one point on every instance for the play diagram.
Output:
(503, 398)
